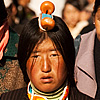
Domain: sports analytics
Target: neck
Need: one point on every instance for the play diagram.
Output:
(60, 94)
(49, 95)
(71, 27)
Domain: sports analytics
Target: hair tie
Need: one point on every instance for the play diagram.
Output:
(46, 21)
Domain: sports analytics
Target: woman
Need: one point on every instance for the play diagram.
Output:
(19, 14)
(46, 58)
(71, 15)
(87, 67)
(9, 67)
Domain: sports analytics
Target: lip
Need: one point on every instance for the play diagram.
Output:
(46, 79)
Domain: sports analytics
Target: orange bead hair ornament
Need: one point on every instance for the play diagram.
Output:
(46, 20)
(47, 7)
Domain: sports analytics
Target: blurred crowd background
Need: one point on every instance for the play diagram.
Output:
(77, 14)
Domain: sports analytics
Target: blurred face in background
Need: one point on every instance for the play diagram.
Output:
(90, 1)
(23, 2)
(85, 15)
(71, 15)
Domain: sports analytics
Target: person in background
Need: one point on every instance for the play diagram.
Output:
(89, 8)
(19, 14)
(91, 2)
(83, 3)
(71, 15)
(87, 65)
(46, 56)
(11, 76)
(86, 15)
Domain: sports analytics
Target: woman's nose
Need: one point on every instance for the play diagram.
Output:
(46, 67)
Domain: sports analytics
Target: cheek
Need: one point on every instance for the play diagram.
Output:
(66, 15)
(29, 66)
(62, 69)
(76, 16)
(33, 67)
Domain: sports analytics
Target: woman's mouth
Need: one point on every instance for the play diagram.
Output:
(46, 79)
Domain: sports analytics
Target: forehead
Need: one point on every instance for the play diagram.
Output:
(44, 45)
(69, 6)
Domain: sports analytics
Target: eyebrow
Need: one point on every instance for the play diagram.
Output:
(40, 51)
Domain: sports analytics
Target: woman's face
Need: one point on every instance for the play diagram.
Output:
(90, 1)
(46, 68)
(23, 2)
(71, 15)
(97, 22)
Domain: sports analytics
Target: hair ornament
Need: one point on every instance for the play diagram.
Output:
(46, 21)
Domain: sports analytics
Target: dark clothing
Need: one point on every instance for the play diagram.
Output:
(77, 41)
(21, 94)
(97, 65)
(76, 95)
(87, 29)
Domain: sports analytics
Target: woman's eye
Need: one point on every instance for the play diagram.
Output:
(54, 55)
(35, 56)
